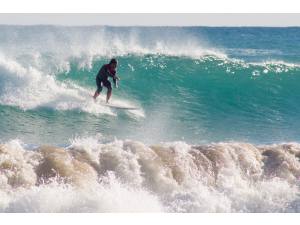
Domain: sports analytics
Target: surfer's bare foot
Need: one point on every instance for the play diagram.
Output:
(95, 99)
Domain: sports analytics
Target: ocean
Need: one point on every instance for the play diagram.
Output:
(217, 129)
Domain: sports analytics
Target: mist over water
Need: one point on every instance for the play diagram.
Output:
(217, 128)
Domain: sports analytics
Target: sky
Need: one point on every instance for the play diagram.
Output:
(154, 19)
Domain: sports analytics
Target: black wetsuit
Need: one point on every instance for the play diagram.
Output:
(102, 77)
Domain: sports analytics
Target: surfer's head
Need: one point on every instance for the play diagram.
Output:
(113, 63)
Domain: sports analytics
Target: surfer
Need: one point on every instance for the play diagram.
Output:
(107, 70)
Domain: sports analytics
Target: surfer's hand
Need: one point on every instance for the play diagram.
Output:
(116, 85)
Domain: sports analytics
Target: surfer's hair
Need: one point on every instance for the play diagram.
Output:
(113, 61)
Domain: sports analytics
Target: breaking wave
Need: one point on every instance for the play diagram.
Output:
(92, 175)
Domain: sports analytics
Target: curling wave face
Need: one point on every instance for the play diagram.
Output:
(129, 176)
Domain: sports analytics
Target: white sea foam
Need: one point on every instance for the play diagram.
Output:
(128, 176)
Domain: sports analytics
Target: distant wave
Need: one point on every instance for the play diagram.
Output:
(128, 176)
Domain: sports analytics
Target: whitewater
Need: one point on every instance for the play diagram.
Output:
(217, 129)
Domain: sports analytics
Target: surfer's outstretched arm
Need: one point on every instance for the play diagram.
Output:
(115, 80)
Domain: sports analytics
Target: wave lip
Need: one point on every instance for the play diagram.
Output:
(168, 177)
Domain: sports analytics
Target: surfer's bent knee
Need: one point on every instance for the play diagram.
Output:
(99, 89)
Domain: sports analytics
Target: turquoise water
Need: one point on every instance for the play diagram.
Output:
(199, 85)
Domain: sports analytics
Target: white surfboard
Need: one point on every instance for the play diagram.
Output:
(121, 107)
(116, 106)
